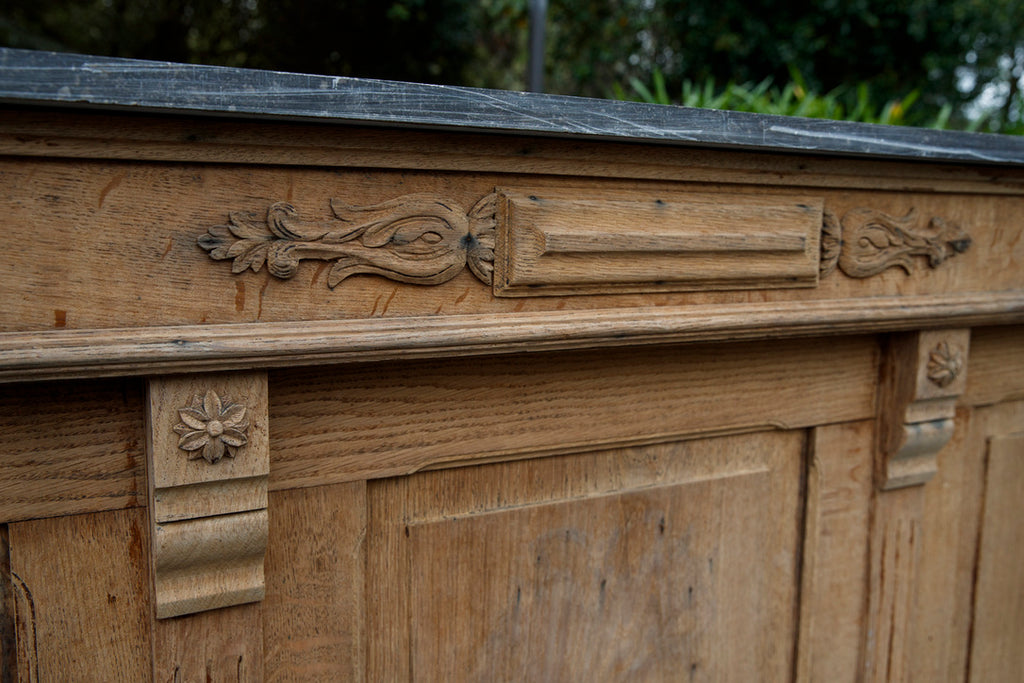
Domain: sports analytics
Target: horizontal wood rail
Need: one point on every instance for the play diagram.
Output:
(158, 350)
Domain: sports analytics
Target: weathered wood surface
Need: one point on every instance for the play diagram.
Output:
(26, 356)
(833, 594)
(314, 613)
(32, 132)
(71, 448)
(647, 563)
(573, 243)
(998, 614)
(387, 420)
(144, 221)
(41, 77)
(82, 597)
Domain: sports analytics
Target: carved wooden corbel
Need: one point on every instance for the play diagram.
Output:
(208, 461)
(923, 374)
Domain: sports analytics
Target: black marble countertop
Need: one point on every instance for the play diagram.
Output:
(56, 79)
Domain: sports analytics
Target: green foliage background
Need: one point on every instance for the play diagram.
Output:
(925, 62)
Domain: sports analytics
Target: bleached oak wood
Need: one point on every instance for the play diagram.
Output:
(98, 135)
(70, 354)
(170, 280)
(647, 563)
(940, 620)
(923, 374)
(895, 534)
(571, 243)
(998, 613)
(314, 612)
(618, 485)
(833, 574)
(220, 646)
(995, 377)
(83, 606)
(69, 449)
(327, 426)
(208, 461)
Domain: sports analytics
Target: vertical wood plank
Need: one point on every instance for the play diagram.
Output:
(314, 607)
(833, 592)
(945, 578)
(8, 633)
(387, 581)
(219, 646)
(84, 608)
(895, 551)
(997, 649)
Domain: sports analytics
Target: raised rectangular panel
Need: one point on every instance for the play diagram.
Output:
(554, 244)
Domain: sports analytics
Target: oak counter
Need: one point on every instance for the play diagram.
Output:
(311, 378)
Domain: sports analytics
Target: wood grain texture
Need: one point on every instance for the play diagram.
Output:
(923, 373)
(385, 420)
(221, 646)
(36, 132)
(994, 376)
(84, 608)
(143, 221)
(999, 596)
(90, 353)
(893, 568)
(46, 77)
(642, 563)
(571, 243)
(314, 612)
(8, 613)
(870, 242)
(70, 449)
(235, 399)
(833, 590)
(945, 577)
(208, 460)
(209, 563)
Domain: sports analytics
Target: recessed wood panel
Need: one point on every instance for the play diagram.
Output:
(81, 585)
(996, 653)
(647, 563)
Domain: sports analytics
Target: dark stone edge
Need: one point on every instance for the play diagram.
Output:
(47, 78)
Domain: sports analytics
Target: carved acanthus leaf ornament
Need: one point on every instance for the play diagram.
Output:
(867, 242)
(212, 427)
(416, 238)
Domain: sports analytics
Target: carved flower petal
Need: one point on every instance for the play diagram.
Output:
(196, 419)
(193, 441)
(211, 403)
(233, 437)
(232, 415)
(213, 451)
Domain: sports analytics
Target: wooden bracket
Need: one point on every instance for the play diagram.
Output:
(923, 374)
(208, 459)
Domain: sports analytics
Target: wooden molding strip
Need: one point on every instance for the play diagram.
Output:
(57, 354)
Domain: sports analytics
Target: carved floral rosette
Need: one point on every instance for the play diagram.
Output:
(416, 238)
(212, 427)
